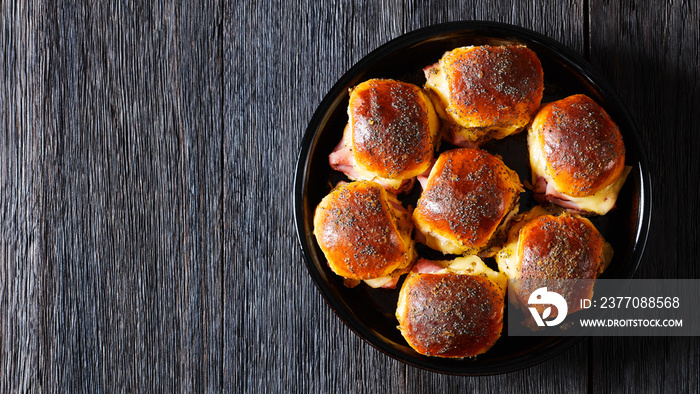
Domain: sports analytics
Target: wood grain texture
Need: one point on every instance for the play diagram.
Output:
(281, 336)
(560, 20)
(650, 53)
(21, 145)
(126, 292)
(147, 154)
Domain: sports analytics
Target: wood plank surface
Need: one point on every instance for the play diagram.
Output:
(112, 276)
(21, 146)
(281, 335)
(650, 54)
(147, 153)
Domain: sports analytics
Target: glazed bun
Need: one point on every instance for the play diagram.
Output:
(365, 233)
(451, 309)
(468, 200)
(485, 92)
(391, 134)
(577, 155)
(542, 246)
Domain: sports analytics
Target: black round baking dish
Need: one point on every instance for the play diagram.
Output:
(370, 312)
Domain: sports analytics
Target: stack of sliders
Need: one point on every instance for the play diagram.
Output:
(469, 204)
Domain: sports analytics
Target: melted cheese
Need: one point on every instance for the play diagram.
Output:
(439, 242)
(507, 258)
(604, 200)
(378, 282)
(436, 82)
(537, 162)
(448, 246)
(466, 265)
(599, 203)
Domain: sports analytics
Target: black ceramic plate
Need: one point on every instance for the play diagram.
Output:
(370, 312)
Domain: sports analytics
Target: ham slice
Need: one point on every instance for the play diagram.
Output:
(544, 191)
(424, 266)
(423, 178)
(540, 186)
(419, 237)
(428, 69)
(391, 284)
(398, 207)
(343, 160)
(452, 136)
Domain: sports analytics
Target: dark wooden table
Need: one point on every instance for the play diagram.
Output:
(147, 152)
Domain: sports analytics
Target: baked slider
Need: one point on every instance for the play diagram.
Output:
(391, 134)
(577, 155)
(542, 248)
(451, 308)
(467, 201)
(485, 92)
(365, 234)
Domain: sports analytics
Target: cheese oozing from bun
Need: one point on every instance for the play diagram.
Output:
(452, 308)
(469, 198)
(485, 92)
(391, 134)
(577, 155)
(543, 248)
(365, 234)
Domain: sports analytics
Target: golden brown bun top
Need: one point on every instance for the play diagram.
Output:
(392, 131)
(451, 315)
(357, 231)
(582, 146)
(468, 193)
(493, 82)
(561, 247)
